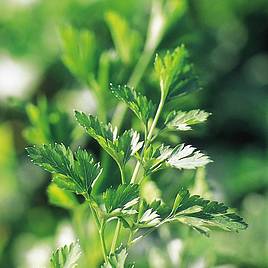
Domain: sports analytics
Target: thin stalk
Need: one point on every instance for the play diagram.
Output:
(119, 224)
(95, 216)
(147, 233)
(148, 138)
(123, 179)
(116, 235)
(103, 245)
(100, 227)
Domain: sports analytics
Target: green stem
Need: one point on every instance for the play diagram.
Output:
(95, 216)
(148, 138)
(116, 235)
(147, 233)
(100, 227)
(103, 245)
(123, 179)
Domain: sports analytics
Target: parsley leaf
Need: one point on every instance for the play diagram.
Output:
(66, 257)
(150, 218)
(143, 108)
(121, 148)
(203, 215)
(121, 200)
(76, 172)
(118, 259)
(176, 73)
(180, 157)
(179, 120)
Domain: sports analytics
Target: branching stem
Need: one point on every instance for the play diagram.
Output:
(148, 138)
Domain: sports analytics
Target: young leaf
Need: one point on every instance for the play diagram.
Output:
(121, 148)
(118, 259)
(150, 215)
(203, 215)
(66, 257)
(121, 200)
(78, 52)
(77, 170)
(178, 120)
(150, 218)
(126, 40)
(180, 157)
(142, 107)
(175, 73)
(47, 124)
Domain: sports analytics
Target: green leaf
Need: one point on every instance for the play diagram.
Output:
(175, 73)
(78, 52)
(78, 170)
(61, 198)
(118, 259)
(180, 157)
(126, 40)
(143, 108)
(186, 157)
(47, 124)
(178, 120)
(66, 257)
(121, 148)
(204, 215)
(151, 215)
(121, 200)
(150, 218)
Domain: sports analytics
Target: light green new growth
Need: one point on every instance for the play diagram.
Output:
(127, 41)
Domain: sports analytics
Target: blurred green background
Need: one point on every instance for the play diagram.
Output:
(228, 43)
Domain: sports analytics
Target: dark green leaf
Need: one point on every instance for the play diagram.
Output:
(203, 215)
(121, 148)
(78, 170)
(122, 199)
